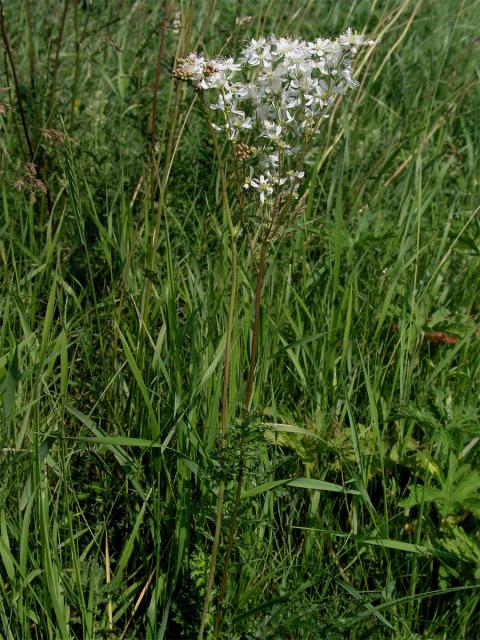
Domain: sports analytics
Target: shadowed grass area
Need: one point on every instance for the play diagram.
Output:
(359, 513)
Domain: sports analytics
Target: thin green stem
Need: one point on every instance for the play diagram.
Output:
(154, 174)
(56, 65)
(256, 326)
(226, 373)
(246, 406)
(231, 537)
(79, 38)
(31, 46)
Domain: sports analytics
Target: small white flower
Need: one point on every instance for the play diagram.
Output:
(291, 49)
(271, 130)
(257, 52)
(264, 186)
(272, 160)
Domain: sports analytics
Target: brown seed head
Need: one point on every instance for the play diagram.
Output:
(243, 152)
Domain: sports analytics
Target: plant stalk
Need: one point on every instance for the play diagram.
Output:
(18, 93)
(256, 326)
(226, 374)
(246, 406)
(153, 173)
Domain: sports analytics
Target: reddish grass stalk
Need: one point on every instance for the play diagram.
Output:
(56, 65)
(18, 93)
(153, 171)
(155, 102)
(31, 49)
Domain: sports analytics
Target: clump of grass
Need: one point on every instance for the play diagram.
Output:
(358, 510)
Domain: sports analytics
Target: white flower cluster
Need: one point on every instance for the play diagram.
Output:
(277, 93)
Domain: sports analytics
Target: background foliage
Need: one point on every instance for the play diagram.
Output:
(113, 307)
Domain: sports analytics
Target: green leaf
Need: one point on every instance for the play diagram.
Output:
(399, 545)
(155, 428)
(128, 548)
(300, 483)
(321, 485)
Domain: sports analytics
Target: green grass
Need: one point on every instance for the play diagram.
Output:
(360, 505)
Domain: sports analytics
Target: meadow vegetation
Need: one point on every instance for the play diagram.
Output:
(346, 466)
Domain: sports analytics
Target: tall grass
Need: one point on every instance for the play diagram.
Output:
(360, 504)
